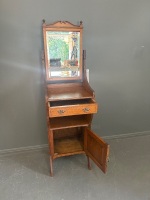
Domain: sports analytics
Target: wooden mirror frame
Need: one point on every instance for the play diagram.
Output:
(62, 26)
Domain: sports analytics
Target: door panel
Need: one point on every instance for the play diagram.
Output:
(96, 149)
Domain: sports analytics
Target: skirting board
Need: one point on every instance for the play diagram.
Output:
(127, 135)
(45, 146)
(24, 149)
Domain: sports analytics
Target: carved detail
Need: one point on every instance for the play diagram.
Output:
(62, 24)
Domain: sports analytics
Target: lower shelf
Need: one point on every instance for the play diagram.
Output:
(68, 146)
(57, 123)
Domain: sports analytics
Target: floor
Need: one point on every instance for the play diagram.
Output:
(25, 175)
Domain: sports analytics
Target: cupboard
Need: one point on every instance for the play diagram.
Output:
(70, 101)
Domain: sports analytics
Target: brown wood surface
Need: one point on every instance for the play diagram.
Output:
(69, 111)
(68, 122)
(69, 146)
(78, 109)
(66, 93)
(69, 132)
(62, 24)
(96, 149)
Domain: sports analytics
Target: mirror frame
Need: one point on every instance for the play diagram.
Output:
(62, 26)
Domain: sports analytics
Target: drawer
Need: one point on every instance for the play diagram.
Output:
(72, 107)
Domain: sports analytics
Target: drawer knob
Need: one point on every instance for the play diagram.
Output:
(61, 111)
(86, 109)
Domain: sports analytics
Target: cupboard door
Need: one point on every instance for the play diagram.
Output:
(96, 149)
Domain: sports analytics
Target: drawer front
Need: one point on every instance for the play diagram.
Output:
(73, 110)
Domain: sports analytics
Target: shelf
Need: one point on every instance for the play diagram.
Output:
(68, 146)
(68, 122)
(66, 93)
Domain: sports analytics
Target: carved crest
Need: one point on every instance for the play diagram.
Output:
(62, 24)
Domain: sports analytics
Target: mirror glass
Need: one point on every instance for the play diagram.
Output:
(63, 53)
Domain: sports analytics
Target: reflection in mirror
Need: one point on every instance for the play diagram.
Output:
(63, 49)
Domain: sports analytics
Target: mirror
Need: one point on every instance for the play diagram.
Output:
(63, 51)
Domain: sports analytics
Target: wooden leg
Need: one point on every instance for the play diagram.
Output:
(89, 163)
(51, 166)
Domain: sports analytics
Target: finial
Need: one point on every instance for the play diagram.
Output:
(43, 21)
(81, 23)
